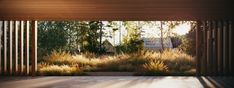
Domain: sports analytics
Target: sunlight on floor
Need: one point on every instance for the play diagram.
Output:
(103, 82)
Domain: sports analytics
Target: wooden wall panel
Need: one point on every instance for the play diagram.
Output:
(116, 9)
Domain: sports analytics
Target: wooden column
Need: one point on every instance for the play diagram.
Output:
(1, 28)
(16, 47)
(34, 47)
(11, 45)
(225, 48)
(5, 46)
(198, 48)
(220, 48)
(21, 47)
(27, 48)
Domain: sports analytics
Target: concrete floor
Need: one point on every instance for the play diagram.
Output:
(105, 82)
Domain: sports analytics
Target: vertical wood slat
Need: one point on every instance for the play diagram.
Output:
(204, 61)
(230, 46)
(215, 63)
(16, 47)
(5, 46)
(1, 28)
(27, 48)
(209, 47)
(225, 60)
(198, 48)
(11, 45)
(21, 47)
(34, 47)
(220, 48)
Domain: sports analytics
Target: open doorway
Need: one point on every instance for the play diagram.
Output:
(131, 47)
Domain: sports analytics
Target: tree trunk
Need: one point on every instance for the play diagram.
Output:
(161, 29)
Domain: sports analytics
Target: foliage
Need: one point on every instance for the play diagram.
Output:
(154, 68)
(188, 41)
(59, 70)
(153, 63)
(132, 42)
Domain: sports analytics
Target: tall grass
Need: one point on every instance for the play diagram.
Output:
(150, 62)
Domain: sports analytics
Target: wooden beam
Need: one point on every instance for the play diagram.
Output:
(116, 9)
(11, 45)
(220, 48)
(34, 47)
(198, 48)
(27, 48)
(5, 46)
(21, 47)
(1, 30)
(16, 46)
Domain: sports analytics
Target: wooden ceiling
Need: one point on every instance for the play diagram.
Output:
(116, 9)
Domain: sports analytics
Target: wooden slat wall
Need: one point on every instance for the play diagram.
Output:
(13, 40)
(219, 48)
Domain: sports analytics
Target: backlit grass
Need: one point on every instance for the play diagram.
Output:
(168, 62)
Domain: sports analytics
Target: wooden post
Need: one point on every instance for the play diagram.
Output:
(5, 46)
(11, 28)
(27, 48)
(34, 47)
(220, 48)
(198, 48)
(21, 47)
(16, 47)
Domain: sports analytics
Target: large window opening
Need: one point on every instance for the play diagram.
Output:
(135, 47)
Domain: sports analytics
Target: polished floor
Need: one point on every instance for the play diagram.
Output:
(114, 82)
